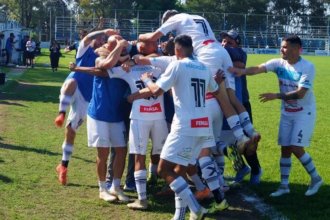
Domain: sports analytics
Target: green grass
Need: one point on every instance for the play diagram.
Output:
(30, 148)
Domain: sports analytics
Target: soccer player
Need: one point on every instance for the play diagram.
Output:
(231, 42)
(296, 76)
(189, 80)
(76, 92)
(105, 126)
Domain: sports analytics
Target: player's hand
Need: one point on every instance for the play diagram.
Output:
(130, 98)
(137, 58)
(110, 32)
(237, 71)
(146, 75)
(72, 66)
(265, 97)
(122, 43)
(219, 76)
(145, 37)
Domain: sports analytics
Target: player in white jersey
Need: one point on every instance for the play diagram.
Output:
(210, 52)
(296, 76)
(191, 127)
(147, 120)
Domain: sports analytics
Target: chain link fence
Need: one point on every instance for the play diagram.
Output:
(256, 30)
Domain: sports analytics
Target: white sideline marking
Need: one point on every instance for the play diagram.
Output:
(263, 208)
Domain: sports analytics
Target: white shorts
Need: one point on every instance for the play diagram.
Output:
(296, 130)
(105, 134)
(184, 150)
(78, 110)
(140, 132)
(216, 57)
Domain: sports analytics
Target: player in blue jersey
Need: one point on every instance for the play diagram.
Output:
(298, 110)
(76, 92)
(231, 41)
(105, 120)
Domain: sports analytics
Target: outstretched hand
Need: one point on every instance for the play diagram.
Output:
(145, 76)
(219, 76)
(72, 66)
(237, 71)
(265, 97)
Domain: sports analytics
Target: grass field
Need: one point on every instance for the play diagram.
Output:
(30, 148)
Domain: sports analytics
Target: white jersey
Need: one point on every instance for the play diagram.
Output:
(197, 27)
(190, 80)
(206, 47)
(162, 62)
(291, 77)
(151, 108)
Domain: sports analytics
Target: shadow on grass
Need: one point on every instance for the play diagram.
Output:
(5, 179)
(12, 103)
(39, 151)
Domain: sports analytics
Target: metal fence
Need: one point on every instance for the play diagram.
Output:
(257, 31)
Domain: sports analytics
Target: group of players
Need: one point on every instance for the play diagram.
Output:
(189, 76)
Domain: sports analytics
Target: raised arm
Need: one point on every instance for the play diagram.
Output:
(93, 35)
(114, 56)
(154, 36)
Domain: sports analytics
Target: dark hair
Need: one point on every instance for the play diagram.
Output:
(167, 14)
(183, 40)
(293, 39)
(169, 48)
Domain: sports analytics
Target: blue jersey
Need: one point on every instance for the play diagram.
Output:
(237, 54)
(85, 81)
(107, 99)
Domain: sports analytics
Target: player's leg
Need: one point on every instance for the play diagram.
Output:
(138, 141)
(202, 191)
(173, 166)
(67, 91)
(118, 141)
(301, 136)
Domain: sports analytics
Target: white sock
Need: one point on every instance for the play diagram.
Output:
(197, 182)
(66, 151)
(235, 126)
(181, 188)
(115, 183)
(246, 123)
(141, 183)
(180, 208)
(285, 167)
(209, 172)
(102, 186)
(308, 164)
(220, 160)
(65, 101)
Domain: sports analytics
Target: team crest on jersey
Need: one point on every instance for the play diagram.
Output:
(200, 122)
(151, 109)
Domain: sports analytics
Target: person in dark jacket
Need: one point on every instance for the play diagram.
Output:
(55, 53)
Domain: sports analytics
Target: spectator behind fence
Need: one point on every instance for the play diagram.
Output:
(30, 49)
(55, 53)
(9, 47)
(23, 48)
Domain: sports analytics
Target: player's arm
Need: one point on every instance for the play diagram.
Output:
(113, 57)
(141, 94)
(89, 70)
(141, 60)
(296, 94)
(153, 87)
(247, 71)
(93, 35)
(154, 36)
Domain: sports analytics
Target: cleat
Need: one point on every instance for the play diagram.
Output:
(199, 215)
(204, 194)
(138, 204)
(314, 186)
(106, 196)
(130, 187)
(242, 144)
(59, 120)
(61, 171)
(152, 179)
(255, 179)
(119, 194)
(242, 173)
(256, 137)
(283, 189)
(218, 207)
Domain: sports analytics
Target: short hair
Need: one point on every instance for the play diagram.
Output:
(183, 40)
(293, 39)
(167, 14)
